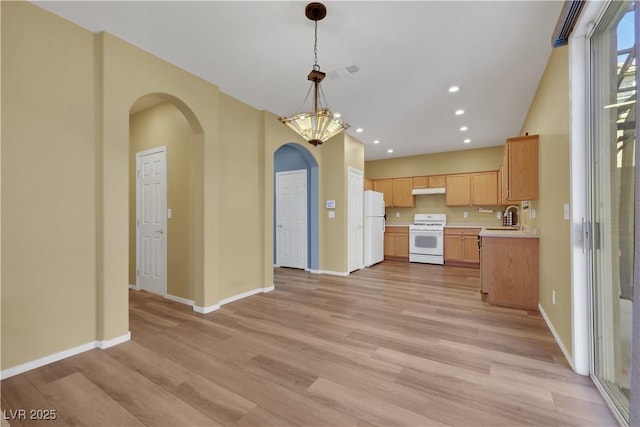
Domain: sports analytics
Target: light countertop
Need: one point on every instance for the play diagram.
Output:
(487, 229)
(470, 225)
(507, 232)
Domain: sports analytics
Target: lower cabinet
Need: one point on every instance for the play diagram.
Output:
(509, 271)
(396, 243)
(461, 247)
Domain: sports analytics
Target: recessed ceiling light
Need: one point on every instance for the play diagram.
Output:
(390, 150)
(359, 130)
(463, 128)
(466, 141)
(377, 141)
(459, 112)
(337, 115)
(454, 89)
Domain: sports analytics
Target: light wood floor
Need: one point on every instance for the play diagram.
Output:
(398, 344)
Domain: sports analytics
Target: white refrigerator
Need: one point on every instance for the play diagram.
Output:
(373, 227)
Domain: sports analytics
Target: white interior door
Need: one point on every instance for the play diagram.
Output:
(151, 209)
(355, 219)
(291, 219)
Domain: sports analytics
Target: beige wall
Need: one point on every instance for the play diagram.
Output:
(165, 125)
(354, 153)
(241, 197)
(48, 184)
(333, 231)
(435, 203)
(480, 159)
(549, 117)
(476, 160)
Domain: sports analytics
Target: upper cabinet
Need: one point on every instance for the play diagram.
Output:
(520, 169)
(402, 196)
(434, 181)
(472, 189)
(484, 186)
(396, 192)
(368, 184)
(384, 186)
(458, 190)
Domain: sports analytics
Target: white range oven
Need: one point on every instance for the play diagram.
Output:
(426, 238)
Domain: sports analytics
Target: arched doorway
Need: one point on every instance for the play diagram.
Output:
(294, 157)
(162, 131)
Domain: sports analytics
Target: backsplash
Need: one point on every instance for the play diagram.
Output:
(435, 203)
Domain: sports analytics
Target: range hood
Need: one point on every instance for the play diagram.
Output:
(420, 191)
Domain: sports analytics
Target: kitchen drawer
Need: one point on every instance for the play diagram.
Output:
(462, 231)
(396, 229)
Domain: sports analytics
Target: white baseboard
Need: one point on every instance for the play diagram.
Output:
(104, 344)
(34, 364)
(557, 338)
(211, 308)
(207, 309)
(334, 273)
(134, 287)
(181, 300)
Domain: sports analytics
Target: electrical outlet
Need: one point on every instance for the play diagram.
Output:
(397, 214)
(553, 297)
(533, 213)
(499, 215)
(465, 214)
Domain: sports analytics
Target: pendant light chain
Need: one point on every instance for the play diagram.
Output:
(315, 48)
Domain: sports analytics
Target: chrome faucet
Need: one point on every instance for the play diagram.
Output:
(507, 215)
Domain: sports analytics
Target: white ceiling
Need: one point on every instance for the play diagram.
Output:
(408, 55)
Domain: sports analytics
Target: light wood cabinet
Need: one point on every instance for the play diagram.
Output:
(396, 243)
(484, 188)
(472, 189)
(509, 271)
(429, 181)
(458, 190)
(502, 188)
(436, 181)
(368, 184)
(461, 247)
(520, 169)
(396, 192)
(420, 182)
(384, 186)
(402, 196)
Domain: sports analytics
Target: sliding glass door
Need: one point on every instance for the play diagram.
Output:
(614, 77)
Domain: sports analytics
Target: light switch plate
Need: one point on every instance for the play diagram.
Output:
(169, 213)
(332, 214)
(567, 212)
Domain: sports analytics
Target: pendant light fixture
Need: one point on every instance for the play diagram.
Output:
(319, 124)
